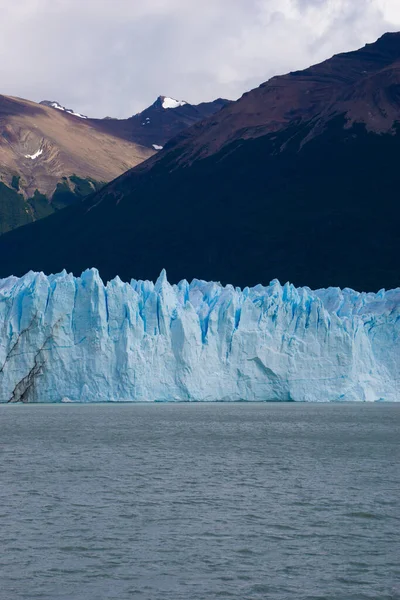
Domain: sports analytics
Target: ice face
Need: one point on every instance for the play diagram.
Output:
(74, 339)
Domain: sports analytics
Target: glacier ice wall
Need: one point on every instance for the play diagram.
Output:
(67, 338)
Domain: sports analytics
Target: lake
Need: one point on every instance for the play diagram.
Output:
(200, 501)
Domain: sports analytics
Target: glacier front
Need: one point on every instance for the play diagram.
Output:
(75, 339)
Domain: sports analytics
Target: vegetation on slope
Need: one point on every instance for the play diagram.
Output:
(16, 211)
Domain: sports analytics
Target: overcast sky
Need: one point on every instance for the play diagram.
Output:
(114, 57)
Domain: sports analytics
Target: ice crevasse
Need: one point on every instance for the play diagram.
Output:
(66, 338)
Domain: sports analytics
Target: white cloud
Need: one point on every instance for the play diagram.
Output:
(114, 57)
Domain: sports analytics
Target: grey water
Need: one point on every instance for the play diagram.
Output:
(200, 501)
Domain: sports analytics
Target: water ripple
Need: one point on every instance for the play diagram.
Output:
(198, 502)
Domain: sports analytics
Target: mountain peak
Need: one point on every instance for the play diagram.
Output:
(389, 36)
(167, 102)
(389, 43)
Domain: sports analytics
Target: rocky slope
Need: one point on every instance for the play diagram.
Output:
(297, 180)
(43, 145)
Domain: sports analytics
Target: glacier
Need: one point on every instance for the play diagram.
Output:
(74, 339)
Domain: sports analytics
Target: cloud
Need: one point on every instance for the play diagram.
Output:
(114, 57)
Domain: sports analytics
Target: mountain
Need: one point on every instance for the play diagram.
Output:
(162, 121)
(49, 158)
(75, 339)
(297, 180)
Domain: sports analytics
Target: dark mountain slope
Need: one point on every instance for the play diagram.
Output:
(329, 215)
(314, 201)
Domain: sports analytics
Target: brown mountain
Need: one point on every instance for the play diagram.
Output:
(42, 145)
(298, 180)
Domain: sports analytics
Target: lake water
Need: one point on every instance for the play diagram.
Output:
(202, 501)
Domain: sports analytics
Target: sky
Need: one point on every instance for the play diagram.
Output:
(115, 57)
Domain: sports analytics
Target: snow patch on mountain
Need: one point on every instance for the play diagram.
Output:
(71, 338)
(35, 155)
(63, 109)
(172, 103)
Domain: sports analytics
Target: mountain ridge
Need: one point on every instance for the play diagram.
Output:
(158, 124)
(320, 92)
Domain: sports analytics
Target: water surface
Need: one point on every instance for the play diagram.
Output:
(199, 502)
